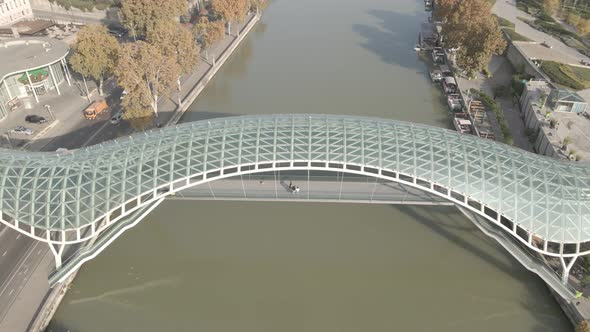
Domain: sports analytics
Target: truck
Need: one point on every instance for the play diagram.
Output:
(93, 111)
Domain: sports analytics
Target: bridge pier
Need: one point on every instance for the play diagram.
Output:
(566, 267)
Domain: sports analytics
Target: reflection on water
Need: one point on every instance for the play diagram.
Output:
(235, 266)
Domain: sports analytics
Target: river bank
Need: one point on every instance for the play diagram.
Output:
(194, 85)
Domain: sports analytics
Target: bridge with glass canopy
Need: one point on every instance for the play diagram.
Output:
(92, 195)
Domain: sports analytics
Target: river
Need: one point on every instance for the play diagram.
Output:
(238, 266)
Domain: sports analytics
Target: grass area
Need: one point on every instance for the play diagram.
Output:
(576, 78)
(515, 36)
(504, 23)
(491, 103)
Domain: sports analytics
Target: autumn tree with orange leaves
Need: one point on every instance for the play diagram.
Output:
(231, 10)
(469, 26)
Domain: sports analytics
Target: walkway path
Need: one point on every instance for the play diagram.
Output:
(507, 9)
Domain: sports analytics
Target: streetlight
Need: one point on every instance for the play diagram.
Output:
(48, 108)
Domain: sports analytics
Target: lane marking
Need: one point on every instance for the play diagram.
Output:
(4, 254)
(11, 291)
(18, 236)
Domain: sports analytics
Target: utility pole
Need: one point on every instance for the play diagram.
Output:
(48, 108)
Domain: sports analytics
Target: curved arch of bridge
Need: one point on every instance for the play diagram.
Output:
(71, 197)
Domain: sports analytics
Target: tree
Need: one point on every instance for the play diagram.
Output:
(583, 326)
(258, 5)
(95, 53)
(176, 42)
(573, 19)
(231, 10)
(444, 8)
(140, 16)
(551, 6)
(472, 30)
(146, 74)
(208, 33)
(583, 27)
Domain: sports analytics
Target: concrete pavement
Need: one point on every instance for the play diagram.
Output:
(507, 9)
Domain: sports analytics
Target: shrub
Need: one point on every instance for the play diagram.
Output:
(546, 17)
(499, 115)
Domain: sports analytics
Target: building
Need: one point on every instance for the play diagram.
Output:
(556, 121)
(563, 100)
(30, 68)
(12, 11)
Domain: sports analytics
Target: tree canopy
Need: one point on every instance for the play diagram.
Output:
(140, 16)
(470, 27)
(94, 53)
(583, 326)
(208, 32)
(177, 42)
(147, 75)
(231, 10)
(551, 6)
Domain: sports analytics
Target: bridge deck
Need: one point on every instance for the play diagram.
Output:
(316, 188)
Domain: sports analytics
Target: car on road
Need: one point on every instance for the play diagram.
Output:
(22, 130)
(35, 119)
(116, 118)
(546, 45)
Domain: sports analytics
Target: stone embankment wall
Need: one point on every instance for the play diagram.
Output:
(46, 10)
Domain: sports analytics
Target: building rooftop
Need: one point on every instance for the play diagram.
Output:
(567, 95)
(18, 55)
(572, 125)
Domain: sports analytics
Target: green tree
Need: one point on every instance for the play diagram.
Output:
(208, 33)
(146, 74)
(551, 6)
(176, 42)
(95, 53)
(140, 16)
(231, 10)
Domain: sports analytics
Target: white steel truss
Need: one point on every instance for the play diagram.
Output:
(65, 198)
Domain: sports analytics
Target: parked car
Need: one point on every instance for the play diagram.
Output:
(22, 130)
(35, 119)
(123, 94)
(116, 118)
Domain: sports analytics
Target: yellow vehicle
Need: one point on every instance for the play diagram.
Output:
(93, 111)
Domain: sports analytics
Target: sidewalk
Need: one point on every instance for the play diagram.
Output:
(167, 107)
(502, 72)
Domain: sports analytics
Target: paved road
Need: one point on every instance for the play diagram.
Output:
(19, 255)
(507, 9)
